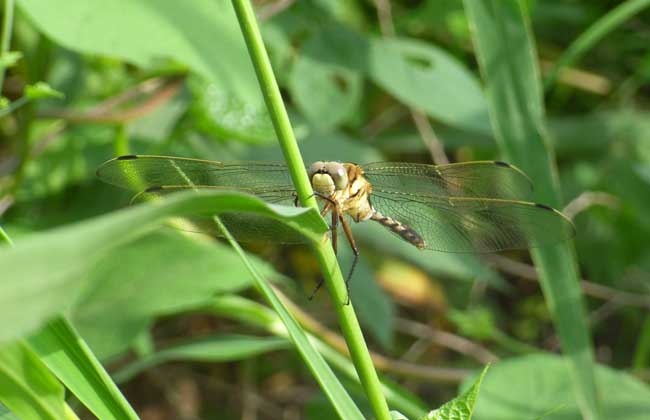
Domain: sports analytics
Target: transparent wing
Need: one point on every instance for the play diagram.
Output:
(141, 172)
(156, 176)
(245, 227)
(464, 224)
(471, 179)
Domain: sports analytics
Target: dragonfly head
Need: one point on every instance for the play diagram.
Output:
(327, 177)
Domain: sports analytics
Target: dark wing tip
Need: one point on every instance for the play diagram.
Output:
(127, 157)
(545, 207)
(501, 163)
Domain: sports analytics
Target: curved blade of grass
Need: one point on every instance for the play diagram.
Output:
(507, 59)
(68, 356)
(215, 349)
(42, 275)
(592, 35)
(337, 395)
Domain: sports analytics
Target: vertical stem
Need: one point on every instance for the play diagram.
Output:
(329, 265)
(5, 37)
(273, 99)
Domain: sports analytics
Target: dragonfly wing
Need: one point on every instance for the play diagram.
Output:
(246, 227)
(141, 172)
(463, 224)
(471, 179)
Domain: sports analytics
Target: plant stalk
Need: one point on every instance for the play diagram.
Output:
(329, 265)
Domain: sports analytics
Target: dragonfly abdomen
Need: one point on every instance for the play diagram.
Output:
(404, 231)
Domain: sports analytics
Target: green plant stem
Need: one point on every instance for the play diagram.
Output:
(325, 254)
(593, 34)
(5, 238)
(5, 37)
(121, 143)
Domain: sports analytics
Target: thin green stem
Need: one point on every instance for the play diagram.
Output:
(5, 238)
(121, 143)
(325, 254)
(5, 37)
(593, 34)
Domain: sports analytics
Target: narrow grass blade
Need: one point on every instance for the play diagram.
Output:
(214, 349)
(66, 354)
(590, 37)
(507, 58)
(27, 388)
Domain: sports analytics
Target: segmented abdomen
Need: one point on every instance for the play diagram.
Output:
(404, 231)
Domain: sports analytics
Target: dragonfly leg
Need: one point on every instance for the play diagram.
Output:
(334, 227)
(355, 250)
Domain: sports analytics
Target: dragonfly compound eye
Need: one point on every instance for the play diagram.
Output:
(338, 173)
(314, 168)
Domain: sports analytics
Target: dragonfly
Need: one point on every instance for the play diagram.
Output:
(468, 207)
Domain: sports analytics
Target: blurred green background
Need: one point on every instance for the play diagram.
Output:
(363, 81)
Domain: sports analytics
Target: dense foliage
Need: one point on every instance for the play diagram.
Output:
(95, 292)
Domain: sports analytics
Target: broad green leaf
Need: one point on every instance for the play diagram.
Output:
(202, 34)
(506, 55)
(27, 387)
(43, 275)
(417, 73)
(220, 113)
(339, 88)
(71, 360)
(396, 415)
(427, 78)
(540, 386)
(214, 349)
(162, 273)
(461, 407)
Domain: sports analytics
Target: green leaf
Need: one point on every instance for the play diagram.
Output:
(191, 268)
(540, 386)
(396, 415)
(41, 90)
(427, 78)
(460, 408)
(339, 88)
(215, 349)
(69, 358)
(27, 387)
(203, 36)
(5, 414)
(506, 55)
(44, 274)
(220, 113)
